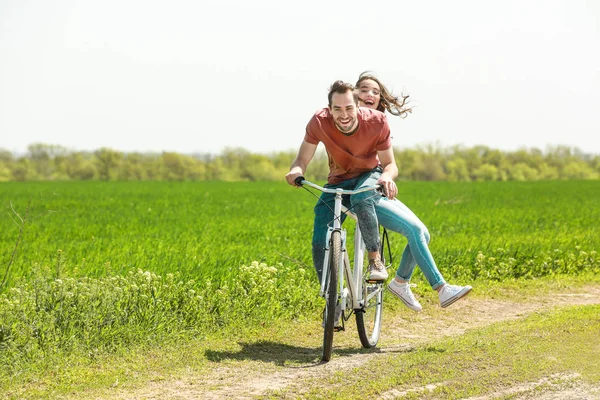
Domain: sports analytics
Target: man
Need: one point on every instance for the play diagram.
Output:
(360, 153)
(358, 144)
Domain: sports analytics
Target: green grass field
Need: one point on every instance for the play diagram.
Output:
(210, 229)
(103, 268)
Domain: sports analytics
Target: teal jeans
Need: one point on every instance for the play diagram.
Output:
(373, 210)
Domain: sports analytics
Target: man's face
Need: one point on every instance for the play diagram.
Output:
(344, 111)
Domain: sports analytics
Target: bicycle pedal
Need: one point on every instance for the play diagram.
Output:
(338, 328)
(374, 281)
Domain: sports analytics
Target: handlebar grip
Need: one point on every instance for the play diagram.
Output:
(298, 181)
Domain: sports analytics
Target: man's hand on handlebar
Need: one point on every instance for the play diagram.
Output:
(293, 176)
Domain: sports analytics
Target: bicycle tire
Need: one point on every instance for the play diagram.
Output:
(368, 318)
(331, 295)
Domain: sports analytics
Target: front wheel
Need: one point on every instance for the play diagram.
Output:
(331, 295)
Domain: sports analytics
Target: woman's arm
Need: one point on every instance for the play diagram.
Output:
(390, 172)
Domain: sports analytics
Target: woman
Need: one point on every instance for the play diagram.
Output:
(374, 95)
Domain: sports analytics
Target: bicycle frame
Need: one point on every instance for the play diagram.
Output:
(353, 273)
(366, 295)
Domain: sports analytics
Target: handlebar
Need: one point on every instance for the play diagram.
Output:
(300, 181)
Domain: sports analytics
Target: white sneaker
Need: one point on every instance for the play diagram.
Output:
(403, 292)
(450, 293)
(377, 271)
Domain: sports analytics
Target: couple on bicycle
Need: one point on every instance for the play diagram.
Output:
(356, 135)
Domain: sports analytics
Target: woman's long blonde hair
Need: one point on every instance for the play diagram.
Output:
(388, 101)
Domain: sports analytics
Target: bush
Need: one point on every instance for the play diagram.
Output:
(45, 316)
(501, 265)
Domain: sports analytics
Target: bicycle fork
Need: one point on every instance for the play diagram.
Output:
(356, 284)
(353, 280)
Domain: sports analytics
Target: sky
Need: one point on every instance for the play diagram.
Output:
(205, 76)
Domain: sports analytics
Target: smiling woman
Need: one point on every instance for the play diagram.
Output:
(374, 95)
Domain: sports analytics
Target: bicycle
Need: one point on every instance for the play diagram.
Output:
(346, 285)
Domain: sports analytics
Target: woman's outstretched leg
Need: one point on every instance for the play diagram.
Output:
(397, 217)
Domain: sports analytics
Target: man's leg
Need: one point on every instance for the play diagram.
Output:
(323, 216)
(323, 219)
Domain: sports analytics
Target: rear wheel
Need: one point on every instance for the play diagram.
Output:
(368, 318)
(331, 295)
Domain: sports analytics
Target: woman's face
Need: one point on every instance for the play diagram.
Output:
(369, 94)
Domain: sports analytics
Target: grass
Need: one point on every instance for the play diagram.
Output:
(136, 269)
(483, 360)
(211, 228)
(44, 319)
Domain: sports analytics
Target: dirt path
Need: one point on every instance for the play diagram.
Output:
(250, 372)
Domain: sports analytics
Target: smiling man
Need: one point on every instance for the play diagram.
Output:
(359, 146)
(360, 153)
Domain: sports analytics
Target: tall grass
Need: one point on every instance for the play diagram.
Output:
(45, 318)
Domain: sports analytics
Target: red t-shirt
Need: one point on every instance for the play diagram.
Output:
(350, 156)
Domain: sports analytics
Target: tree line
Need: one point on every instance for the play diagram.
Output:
(47, 162)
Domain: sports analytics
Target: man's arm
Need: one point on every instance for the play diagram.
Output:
(390, 172)
(305, 155)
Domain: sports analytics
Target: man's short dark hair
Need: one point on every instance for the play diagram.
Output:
(342, 87)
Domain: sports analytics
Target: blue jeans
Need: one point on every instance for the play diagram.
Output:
(371, 211)
(362, 204)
